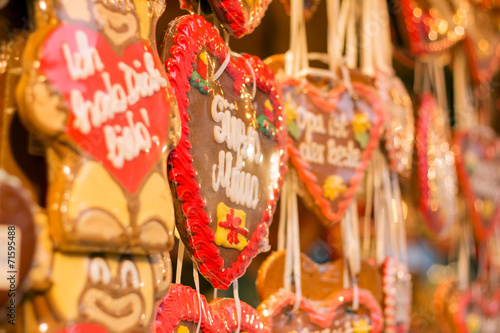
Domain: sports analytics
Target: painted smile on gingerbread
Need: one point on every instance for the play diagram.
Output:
(121, 307)
(122, 28)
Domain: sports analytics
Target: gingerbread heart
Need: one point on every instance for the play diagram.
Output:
(95, 89)
(478, 164)
(227, 170)
(333, 314)
(397, 296)
(240, 17)
(476, 313)
(317, 280)
(183, 308)
(436, 167)
(332, 136)
(445, 297)
(482, 44)
(431, 26)
(399, 127)
(17, 231)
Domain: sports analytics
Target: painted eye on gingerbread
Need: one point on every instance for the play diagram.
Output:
(99, 271)
(129, 275)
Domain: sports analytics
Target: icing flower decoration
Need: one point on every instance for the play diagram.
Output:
(291, 115)
(333, 187)
(290, 112)
(361, 326)
(473, 323)
(471, 161)
(360, 125)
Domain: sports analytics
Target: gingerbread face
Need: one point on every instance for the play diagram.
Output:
(113, 121)
(116, 292)
(119, 24)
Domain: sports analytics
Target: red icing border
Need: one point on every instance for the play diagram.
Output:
(488, 307)
(427, 103)
(417, 45)
(303, 167)
(181, 304)
(481, 75)
(276, 302)
(482, 233)
(235, 18)
(381, 80)
(389, 290)
(193, 33)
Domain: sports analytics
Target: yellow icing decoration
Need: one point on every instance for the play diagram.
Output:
(182, 329)
(488, 208)
(268, 105)
(473, 323)
(231, 230)
(333, 187)
(290, 112)
(204, 57)
(361, 326)
(361, 123)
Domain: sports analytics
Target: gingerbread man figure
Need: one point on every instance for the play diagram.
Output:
(94, 88)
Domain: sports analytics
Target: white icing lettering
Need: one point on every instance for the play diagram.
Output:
(343, 156)
(125, 144)
(141, 79)
(241, 187)
(85, 62)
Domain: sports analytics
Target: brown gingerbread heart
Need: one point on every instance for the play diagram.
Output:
(228, 168)
(317, 280)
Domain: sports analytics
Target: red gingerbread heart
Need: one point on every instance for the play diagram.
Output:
(240, 17)
(482, 44)
(422, 23)
(476, 313)
(478, 165)
(334, 313)
(332, 137)
(118, 101)
(227, 169)
(399, 127)
(436, 166)
(182, 309)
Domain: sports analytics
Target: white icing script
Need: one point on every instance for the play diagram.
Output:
(123, 143)
(241, 187)
(337, 128)
(484, 181)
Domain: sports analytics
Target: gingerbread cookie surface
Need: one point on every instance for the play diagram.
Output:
(97, 93)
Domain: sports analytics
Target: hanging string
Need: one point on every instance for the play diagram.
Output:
(254, 80)
(215, 293)
(289, 259)
(465, 115)
(368, 211)
(237, 303)
(401, 234)
(180, 261)
(282, 220)
(222, 67)
(297, 274)
(391, 209)
(196, 279)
